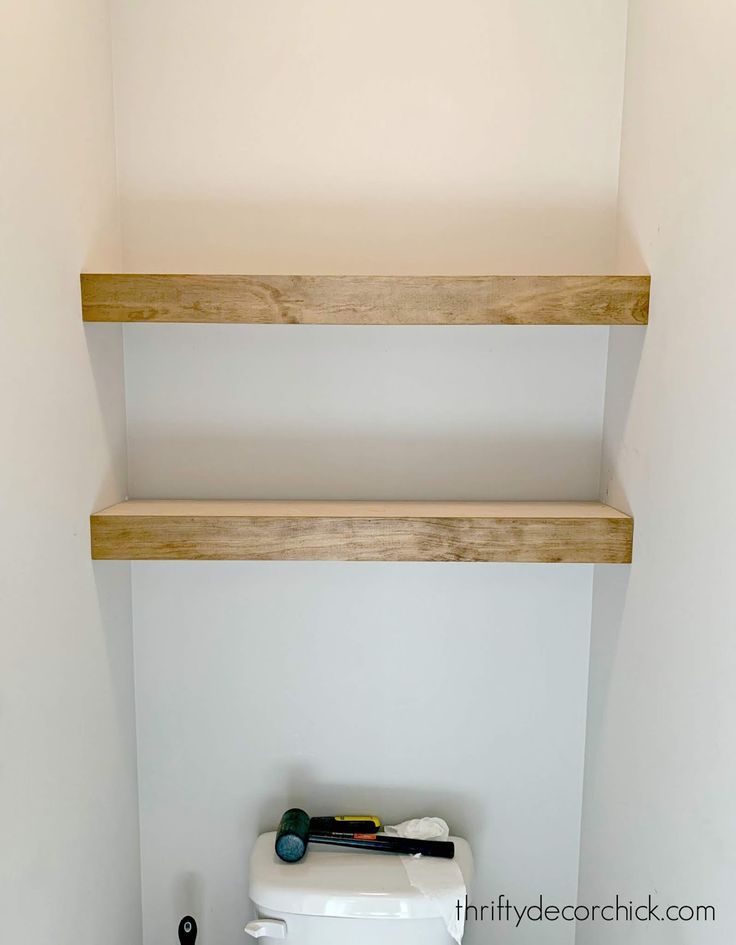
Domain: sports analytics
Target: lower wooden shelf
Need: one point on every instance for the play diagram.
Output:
(567, 532)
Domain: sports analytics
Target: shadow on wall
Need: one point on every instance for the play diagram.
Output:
(625, 352)
(339, 466)
(403, 236)
(107, 399)
(303, 789)
(381, 412)
(610, 590)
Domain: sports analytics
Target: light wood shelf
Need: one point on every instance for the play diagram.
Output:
(571, 532)
(367, 300)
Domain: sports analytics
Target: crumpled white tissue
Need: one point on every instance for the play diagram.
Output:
(436, 878)
(421, 828)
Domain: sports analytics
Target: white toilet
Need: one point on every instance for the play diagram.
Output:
(338, 896)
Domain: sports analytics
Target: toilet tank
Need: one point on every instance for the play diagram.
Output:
(340, 896)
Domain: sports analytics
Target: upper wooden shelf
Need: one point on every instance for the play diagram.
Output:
(571, 532)
(367, 300)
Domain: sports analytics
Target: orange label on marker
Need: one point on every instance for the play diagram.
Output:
(364, 836)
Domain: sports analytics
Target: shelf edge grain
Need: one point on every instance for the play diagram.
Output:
(537, 532)
(366, 300)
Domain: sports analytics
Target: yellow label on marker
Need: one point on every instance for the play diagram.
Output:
(347, 818)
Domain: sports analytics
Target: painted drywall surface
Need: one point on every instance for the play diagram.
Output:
(405, 689)
(658, 813)
(236, 411)
(330, 137)
(327, 412)
(69, 849)
(413, 137)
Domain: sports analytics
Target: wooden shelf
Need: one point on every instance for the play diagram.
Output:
(367, 300)
(571, 532)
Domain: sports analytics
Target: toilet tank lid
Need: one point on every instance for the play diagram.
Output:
(337, 881)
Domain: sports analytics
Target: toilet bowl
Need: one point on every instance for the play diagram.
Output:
(336, 896)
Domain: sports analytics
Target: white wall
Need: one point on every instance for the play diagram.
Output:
(381, 137)
(69, 853)
(658, 813)
(328, 412)
(412, 137)
(405, 689)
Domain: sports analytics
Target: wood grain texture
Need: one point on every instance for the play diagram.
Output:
(571, 532)
(367, 300)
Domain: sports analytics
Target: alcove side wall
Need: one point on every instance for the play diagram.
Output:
(69, 839)
(660, 766)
